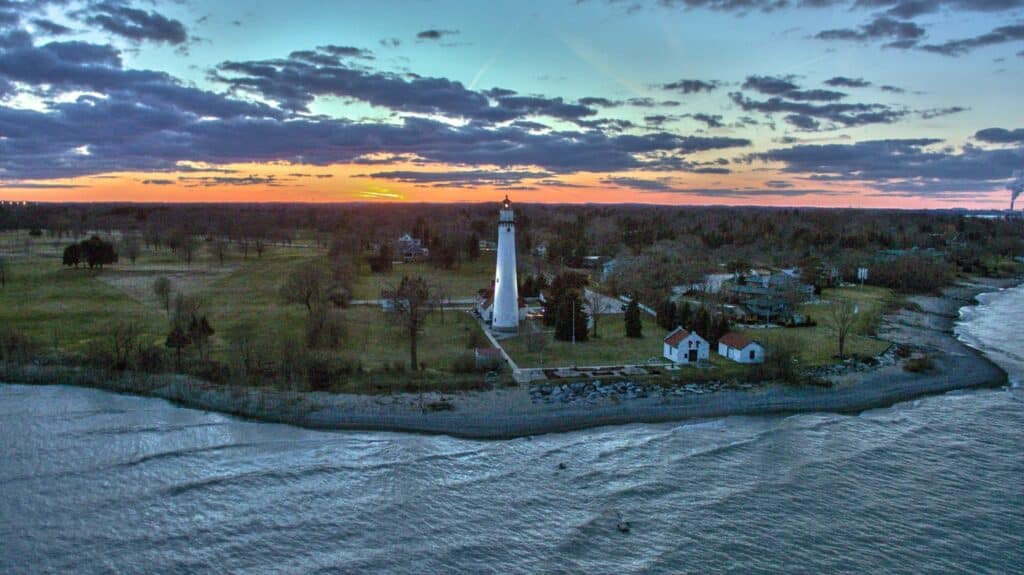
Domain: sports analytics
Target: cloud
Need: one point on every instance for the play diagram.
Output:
(134, 24)
(463, 178)
(808, 115)
(296, 81)
(844, 82)
(709, 120)
(691, 86)
(939, 112)
(899, 33)
(50, 27)
(435, 34)
(1001, 136)
(771, 85)
(158, 182)
(905, 164)
(1001, 35)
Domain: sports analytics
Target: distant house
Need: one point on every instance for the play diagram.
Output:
(686, 347)
(740, 348)
(411, 249)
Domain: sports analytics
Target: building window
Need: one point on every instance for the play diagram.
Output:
(753, 354)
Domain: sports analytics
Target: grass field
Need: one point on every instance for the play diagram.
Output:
(818, 344)
(612, 348)
(462, 282)
(69, 310)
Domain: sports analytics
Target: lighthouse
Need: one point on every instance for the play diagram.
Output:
(505, 315)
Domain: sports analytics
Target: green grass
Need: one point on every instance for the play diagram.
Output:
(611, 348)
(70, 309)
(463, 282)
(818, 344)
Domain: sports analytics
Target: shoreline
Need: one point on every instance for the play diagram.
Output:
(509, 412)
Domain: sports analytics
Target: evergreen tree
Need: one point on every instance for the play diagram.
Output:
(667, 317)
(634, 327)
(683, 315)
(567, 309)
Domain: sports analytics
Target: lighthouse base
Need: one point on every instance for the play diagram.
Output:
(505, 328)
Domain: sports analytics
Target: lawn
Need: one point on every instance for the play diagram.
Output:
(819, 344)
(68, 310)
(611, 348)
(462, 282)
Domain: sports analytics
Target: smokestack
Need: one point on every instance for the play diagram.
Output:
(1016, 187)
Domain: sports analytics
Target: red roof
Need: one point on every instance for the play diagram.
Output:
(675, 337)
(736, 340)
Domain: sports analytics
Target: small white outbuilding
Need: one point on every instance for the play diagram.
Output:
(686, 347)
(740, 348)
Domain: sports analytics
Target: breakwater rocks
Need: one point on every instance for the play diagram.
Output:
(594, 392)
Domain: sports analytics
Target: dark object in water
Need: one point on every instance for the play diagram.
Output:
(622, 525)
(562, 465)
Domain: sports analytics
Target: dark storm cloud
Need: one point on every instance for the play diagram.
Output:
(1001, 35)
(691, 86)
(1001, 136)
(133, 23)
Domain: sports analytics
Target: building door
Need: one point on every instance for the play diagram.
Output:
(693, 356)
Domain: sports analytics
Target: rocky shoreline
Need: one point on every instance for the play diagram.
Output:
(530, 410)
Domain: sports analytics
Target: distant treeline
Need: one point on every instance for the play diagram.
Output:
(655, 247)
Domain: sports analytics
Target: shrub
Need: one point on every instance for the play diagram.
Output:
(16, 347)
(465, 363)
(920, 364)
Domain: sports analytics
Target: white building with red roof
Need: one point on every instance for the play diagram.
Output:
(686, 347)
(740, 348)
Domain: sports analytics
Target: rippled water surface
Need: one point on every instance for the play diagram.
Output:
(94, 482)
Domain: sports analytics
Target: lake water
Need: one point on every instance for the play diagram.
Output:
(93, 482)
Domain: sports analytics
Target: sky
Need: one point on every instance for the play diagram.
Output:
(846, 103)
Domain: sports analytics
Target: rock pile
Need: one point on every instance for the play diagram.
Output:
(592, 392)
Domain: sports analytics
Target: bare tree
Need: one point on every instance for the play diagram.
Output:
(187, 247)
(162, 289)
(124, 337)
(219, 247)
(843, 317)
(412, 301)
(306, 285)
(536, 339)
(597, 304)
(132, 247)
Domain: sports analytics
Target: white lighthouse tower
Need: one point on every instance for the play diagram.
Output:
(505, 315)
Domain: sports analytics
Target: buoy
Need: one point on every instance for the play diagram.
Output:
(562, 465)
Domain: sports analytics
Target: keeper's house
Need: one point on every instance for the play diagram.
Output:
(686, 347)
(740, 348)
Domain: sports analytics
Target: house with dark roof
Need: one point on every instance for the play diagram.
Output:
(739, 347)
(686, 347)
